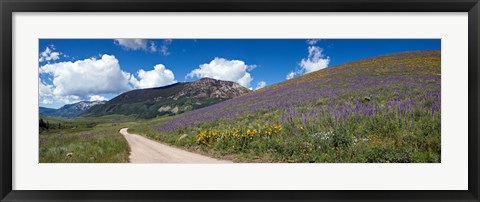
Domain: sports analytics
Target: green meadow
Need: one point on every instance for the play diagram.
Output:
(81, 140)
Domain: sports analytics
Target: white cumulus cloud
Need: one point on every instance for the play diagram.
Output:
(314, 62)
(164, 47)
(144, 44)
(132, 44)
(261, 84)
(290, 75)
(159, 76)
(153, 46)
(97, 98)
(49, 55)
(79, 80)
(45, 94)
(46, 101)
(312, 41)
(223, 69)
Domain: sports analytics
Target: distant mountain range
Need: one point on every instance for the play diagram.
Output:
(168, 100)
(69, 110)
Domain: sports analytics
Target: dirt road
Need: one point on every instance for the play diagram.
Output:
(144, 150)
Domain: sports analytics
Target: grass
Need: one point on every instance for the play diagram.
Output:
(92, 140)
(357, 140)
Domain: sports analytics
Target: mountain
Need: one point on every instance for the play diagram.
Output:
(46, 111)
(167, 100)
(69, 110)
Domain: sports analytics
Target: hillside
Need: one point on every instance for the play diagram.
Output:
(380, 109)
(69, 110)
(169, 100)
(46, 111)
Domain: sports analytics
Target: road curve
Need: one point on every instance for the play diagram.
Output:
(144, 150)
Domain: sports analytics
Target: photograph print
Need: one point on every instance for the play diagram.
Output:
(239, 100)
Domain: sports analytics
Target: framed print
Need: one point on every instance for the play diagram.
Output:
(239, 101)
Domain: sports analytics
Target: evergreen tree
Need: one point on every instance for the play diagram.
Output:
(42, 125)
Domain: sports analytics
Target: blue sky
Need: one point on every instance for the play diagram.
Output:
(71, 70)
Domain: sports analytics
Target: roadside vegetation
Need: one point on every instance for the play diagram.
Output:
(82, 140)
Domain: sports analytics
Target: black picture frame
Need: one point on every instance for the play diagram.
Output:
(8, 7)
